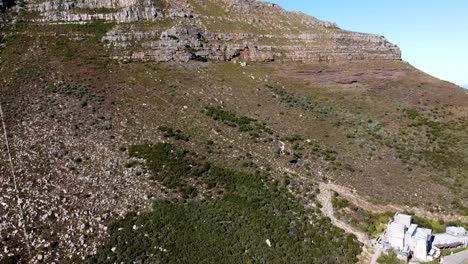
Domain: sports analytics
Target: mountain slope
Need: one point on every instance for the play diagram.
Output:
(217, 30)
(88, 103)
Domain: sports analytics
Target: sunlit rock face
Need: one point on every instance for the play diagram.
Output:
(225, 30)
(184, 30)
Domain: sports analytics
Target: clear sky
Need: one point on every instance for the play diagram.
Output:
(432, 34)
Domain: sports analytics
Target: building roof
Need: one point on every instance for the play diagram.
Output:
(456, 231)
(412, 229)
(446, 240)
(459, 258)
(425, 231)
(403, 219)
(396, 230)
(422, 234)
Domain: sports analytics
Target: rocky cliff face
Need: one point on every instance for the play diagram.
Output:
(225, 30)
(183, 44)
(121, 11)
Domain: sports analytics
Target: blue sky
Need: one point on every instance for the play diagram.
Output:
(432, 34)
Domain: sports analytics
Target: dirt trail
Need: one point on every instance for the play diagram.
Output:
(325, 197)
(352, 197)
(376, 254)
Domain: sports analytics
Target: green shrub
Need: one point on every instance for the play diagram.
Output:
(338, 202)
(391, 258)
(175, 134)
(230, 228)
(243, 123)
(436, 226)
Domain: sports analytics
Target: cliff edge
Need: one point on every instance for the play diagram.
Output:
(225, 30)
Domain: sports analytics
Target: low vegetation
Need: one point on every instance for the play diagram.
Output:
(447, 252)
(95, 11)
(176, 134)
(306, 103)
(371, 223)
(249, 220)
(391, 258)
(437, 226)
(428, 139)
(243, 123)
(338, 202)
(375, 223)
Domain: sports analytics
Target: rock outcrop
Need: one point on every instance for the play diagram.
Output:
(121, 11)
(183, 44)
(93, 10)
(224, 30)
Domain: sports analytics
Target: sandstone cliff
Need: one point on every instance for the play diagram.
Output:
(225, 30)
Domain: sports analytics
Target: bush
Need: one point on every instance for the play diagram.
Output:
(391, 258)
(436, 226)
(243, 123)
(230, 228)
(338, 202)
(174, 134)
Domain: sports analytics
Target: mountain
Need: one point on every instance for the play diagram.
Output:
(217, 30)
(193, 131)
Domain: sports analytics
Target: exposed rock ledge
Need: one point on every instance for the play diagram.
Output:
(122, 11)
(187, 36)
(182, 44)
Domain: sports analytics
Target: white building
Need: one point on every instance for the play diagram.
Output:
(458, 258)
(456, 231)
(399, 233)
(407, 239)
(453, 238)
(396, 235)
(420, 244)
(403, 219)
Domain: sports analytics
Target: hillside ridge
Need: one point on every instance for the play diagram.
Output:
(185, 30)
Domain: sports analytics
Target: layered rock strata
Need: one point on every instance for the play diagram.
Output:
(186, 30)
(121, 11)
(183, 44)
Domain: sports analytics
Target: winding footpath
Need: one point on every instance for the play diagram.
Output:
(325, 198)
(369, 254)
